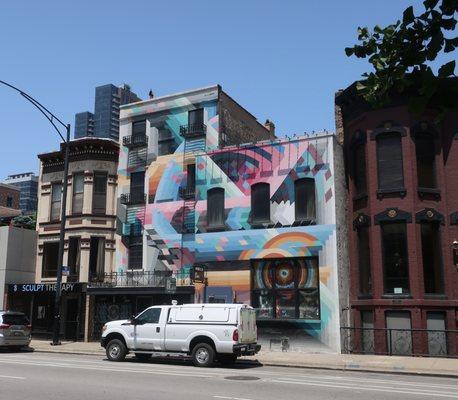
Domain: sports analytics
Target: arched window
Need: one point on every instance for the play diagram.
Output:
(426, 166)
(215, 208)
(304, 199)
(389, 162)
(260, 202)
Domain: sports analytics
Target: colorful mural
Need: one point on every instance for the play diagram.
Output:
(286, 268)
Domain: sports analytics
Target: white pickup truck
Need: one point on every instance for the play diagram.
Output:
(207, 332)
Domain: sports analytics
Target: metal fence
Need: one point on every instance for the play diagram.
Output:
(133, 278)
(405, 342)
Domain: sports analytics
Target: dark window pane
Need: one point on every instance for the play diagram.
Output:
(78, 193)
(15, 319)
(359, 169)
(260, 202)
(364, 262)
(396, 266)
(9, 201)
(136, 257)
(389, 162)
(196, 117)
(191, 177)
(309, 304)
(285, 306)
(150, 316)
(56, 201)
(50, 259)
(215, 207)
(432, 258)
(304, 202)
(263, 302)
(74, 256)
(426, 170)
(137, 185)
(138, 128)
(99, 199)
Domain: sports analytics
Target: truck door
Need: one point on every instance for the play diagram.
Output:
(149, 331)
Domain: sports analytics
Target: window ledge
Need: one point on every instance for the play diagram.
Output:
(422, 191)
(401, 192)
(432, 296)
(397, 296)
(216, 228)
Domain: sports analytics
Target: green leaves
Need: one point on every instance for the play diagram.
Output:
(447, 69)
(399, 54)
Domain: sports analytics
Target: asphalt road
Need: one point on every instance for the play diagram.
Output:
(44, 376)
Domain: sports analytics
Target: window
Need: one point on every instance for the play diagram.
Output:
(364, 262)
(304, 201)
(9, 201)
(395, 262)
(138, 129)
(389, 162)
(97, 258)
(137, 187)
(426, 166)
(260, 202)
(367, 334)
(136, 256)
(78, 193)
(50, 259)
(432, 258)
(196, 118)
(286, 288)
(74, 256)
(359, 169)
(437, 337)
(56, 195)
(191, 178)
(400, 334)
(149, 316)
(99, 194)
(215, 208)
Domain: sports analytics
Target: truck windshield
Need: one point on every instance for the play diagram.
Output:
(149, 316)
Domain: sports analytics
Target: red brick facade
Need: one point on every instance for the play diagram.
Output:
(362, 122)
(9, 196)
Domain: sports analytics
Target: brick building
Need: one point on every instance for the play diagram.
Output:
(402, 208)
(9, 202)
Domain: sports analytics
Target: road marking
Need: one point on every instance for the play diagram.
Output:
(11, 377)
(368, 388)
(230, 398)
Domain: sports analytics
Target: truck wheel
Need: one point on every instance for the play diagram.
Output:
(227, 359)
(142, 356)
(203, 355)
(116, 350)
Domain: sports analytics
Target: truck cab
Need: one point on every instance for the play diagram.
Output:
(206, 332)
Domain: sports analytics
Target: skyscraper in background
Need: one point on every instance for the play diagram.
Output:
(104, 123)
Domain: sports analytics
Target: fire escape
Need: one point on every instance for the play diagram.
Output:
(194, 135)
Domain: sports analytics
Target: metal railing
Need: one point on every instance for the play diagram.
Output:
(405, 342)
(133, 198)
(187, 193)
(139, 278)
(135, 140)
(193, 130)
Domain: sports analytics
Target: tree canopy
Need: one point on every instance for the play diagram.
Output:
(401, 54)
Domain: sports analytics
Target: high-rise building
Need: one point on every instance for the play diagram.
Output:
(104, 122)
(27, 183)
(84, 124)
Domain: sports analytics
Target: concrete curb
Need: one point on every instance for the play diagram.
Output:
(348, 367)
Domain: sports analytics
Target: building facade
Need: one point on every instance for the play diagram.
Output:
(89, 247)
(9, 202)
(260, 219)
(402, 212)
(104, 122)
(28, 185)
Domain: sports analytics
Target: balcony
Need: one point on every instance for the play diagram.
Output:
(187, 193)
(129, 199)
(133, 141)
(193, 130)
(132, 239)
(140, 278)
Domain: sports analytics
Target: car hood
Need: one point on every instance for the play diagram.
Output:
(113, 324)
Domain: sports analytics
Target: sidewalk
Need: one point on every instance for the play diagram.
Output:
(406, 365)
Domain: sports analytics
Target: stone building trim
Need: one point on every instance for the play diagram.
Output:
(429, 215)
(392, 214)
(362, 220)
(388, 127)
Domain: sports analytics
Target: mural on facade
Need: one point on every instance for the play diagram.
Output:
(235, 169)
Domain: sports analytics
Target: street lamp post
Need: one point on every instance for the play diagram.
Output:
(54, 121)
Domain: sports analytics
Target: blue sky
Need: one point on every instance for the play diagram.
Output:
(281, 60)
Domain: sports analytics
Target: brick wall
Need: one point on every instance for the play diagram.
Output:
(8, 192)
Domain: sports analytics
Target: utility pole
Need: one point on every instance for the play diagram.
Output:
(54, 121)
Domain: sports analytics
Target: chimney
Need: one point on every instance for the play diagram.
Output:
(270, 126)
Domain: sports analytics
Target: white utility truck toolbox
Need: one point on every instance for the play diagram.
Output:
(206, 332)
